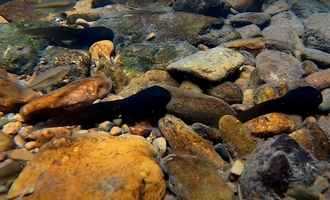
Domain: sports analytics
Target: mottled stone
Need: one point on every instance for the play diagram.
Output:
(317, 33)
(119, 166)
(213, 65)
(192, 177)
(320, 79)
(275, 165)
(258, 18)
(74, 95)
(249, 31)
(227, 91)
(183, 140)
(270, 125)
(101, 49)
(248, 43)
(275, 67)
(325, 105)
(194, 107)
(236, 135)
(268, 92)
(148, 79)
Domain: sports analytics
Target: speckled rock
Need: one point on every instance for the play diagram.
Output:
(275, 67)
(325, 105)
(236, 135)
(213, 65)
(148, 79)
(268, 92)
(227, 91)
(191, 177)
(101, 49)
(317, 34)
(194, 107)
(314, 140)
(249, 31)
(79, 93)
(258, 18)
(276, 164)
(248, 43)
(115, 177)
(270, 125)
(183, 140)
(320, 79)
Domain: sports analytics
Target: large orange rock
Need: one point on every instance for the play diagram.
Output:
(69, 97)
(94, 166)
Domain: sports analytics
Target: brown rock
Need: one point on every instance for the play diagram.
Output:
(13, 94)
(183, 140)
(46, 134)
(268, 92)
(71, 96)
(12, 128)
(20, 154)
(148, 79)
(9, 167)
(101, 49)
(314, 140)
(320, 79)
(118, 168)
(270, 124)
(228, 91)
(249, 43)
(193, 178)
(194, 107)
(236, 135)
(190, 86)
(6, 142)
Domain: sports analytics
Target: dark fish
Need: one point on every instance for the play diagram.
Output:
(302, 101)
(148, 103)
(67, 36)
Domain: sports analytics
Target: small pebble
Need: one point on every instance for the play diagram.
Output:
(125, 129)
(25, 131)
(160, 145)
(105, 126)
(237, 168)
(115, 131)
(31, 145)
(117, 122)
(12, 128)
(19, 141)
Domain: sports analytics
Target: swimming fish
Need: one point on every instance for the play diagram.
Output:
(148, 103)
(302, 101)
(67, 36)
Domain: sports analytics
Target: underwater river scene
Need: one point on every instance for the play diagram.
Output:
(165, 99)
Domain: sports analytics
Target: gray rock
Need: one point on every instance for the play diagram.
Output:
(317, 33)
(144, 56)
(206, 7)
(18, 52)
(276, 164)
(275, 67)
(249, 31)
(215, 37)
(290, 19)
(258, 18)
(320, 57)
(134, 26)
(193, 107)
(276, 7)
(282, 37)
(306, 8)
(325, 105)
(213, 65)
(228, 91)
(309, 67)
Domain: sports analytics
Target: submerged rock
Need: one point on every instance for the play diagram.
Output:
(214, 8)
(183, 140)
(120, 167)
(195, 107)
(320, 79)
(258, 18)
(191, 177)
(270, 125)
(275, 67)
(213, 65)
(74, 95)
(237, 136)
(275, 165)
(227, 91)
